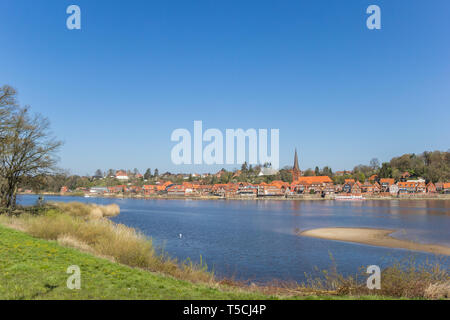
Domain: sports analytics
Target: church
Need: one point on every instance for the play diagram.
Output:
(310, 181)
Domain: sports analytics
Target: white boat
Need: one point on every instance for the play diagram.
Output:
(350, 198)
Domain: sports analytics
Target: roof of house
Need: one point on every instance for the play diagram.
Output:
(313, 179)
(387, 180)
(121, 173)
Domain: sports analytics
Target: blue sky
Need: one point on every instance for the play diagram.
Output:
(137, 70)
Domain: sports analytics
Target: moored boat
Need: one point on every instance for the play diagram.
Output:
(350, 198)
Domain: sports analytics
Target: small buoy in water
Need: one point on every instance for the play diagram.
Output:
(181, 235)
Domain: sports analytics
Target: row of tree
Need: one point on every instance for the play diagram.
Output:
(131, 173)
(432, 166)
(27, 149)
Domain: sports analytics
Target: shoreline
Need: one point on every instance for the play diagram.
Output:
(373, 237)
(276, 198)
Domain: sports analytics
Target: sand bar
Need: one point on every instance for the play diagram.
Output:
(373, 237)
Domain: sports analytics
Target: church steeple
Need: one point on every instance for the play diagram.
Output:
(296, 161)
(296, 173)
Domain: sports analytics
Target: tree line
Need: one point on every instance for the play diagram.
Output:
(432, 166)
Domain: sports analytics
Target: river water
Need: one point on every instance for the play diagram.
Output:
(256, 240)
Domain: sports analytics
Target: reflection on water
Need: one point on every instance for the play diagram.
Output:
(256, 239)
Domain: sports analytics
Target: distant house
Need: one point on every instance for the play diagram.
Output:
(421, 187)
(431, 188)
(373, 178)
(204, 189)
(117, 189)
(64, 189)
(348, 185)
(267, 172)
(419, 184)
(405, 175)
(357, 188)
(412, 186)
(393, 190)
(149, 189)
(134, 189)
(247, 190)
(446, 187)
(98, 190)
(225, 190)
(121, 175)
(313, 183)
(367, 187)
(189, 187)
(271, 190)
(162, 187)
(347, 188)
(376, 187)
(386, 183)
(177, 190)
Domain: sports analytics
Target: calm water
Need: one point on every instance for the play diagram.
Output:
(255, 240)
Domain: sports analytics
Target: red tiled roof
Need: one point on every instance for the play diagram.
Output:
(387, 180)
(313, 180)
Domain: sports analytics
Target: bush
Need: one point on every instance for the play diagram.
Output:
(405, 278)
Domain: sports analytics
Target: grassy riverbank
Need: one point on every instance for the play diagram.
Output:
(36, 269)
(117, 262)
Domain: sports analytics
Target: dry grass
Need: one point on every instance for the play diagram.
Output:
(68, 241)
(405, 278)
(409, 279)
(438, 291)
(93, 211)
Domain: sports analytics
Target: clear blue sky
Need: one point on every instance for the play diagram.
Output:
(340, 93)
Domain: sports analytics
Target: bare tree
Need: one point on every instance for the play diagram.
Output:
(7, 105)
(27, 150)
(375, 164)
(7, 96)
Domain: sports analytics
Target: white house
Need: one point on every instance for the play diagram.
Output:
(121, 175)
(393, 189)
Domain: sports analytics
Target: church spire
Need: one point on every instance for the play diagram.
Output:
(296, 161)
(296, 173)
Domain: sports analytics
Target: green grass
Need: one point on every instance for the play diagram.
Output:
(32, 268)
